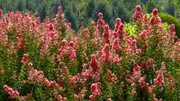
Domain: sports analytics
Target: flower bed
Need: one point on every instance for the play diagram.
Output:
(47, 61)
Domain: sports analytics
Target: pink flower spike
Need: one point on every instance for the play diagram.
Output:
(138, 51)
(155, 99)
(12, 93)
(96, 91)
(106, 55)
(151, 60)
(143, 34)
(21, 43)
(24, 59)
(152, 20)
(115, 34)
(145, 18)
(159, 80)
(71, 43)
(109, 99)
(144, 65)
(138, 8)
(51, 28)
(86, 31)
(160, 99)
(100, 15)
(94, 63)
(155, 12)
(121, 27)
(136, 67)
(30, 65)
(118, 21)
(106, 27)
(60, 8)
(64, 42)
(28, 96)
(172, 27)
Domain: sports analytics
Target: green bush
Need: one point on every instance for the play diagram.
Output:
(171, 20)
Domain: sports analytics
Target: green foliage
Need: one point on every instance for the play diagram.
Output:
(151, 4)
(87, 60)
(171, 20)
(170, 8)
(20, 6)
(81, 12)
(71, 17)
(77, 12)
(130, 29)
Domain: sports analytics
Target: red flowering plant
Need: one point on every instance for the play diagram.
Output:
(47, 60)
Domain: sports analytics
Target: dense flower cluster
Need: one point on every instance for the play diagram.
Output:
(47, 60)
(12, 94)
(95, 89)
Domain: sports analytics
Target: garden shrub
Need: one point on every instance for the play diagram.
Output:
(48, 61)
(171, 20)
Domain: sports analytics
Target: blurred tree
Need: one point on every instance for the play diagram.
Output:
(170, 7)
(83, 11)
(90, 8)
(71, 17)
(20, 5)
(144, 1)
(102, 6)
(130, 4)
(54, 6)
(42, 9)
(150, 5)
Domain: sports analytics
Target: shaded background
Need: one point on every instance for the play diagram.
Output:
(80, 12)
